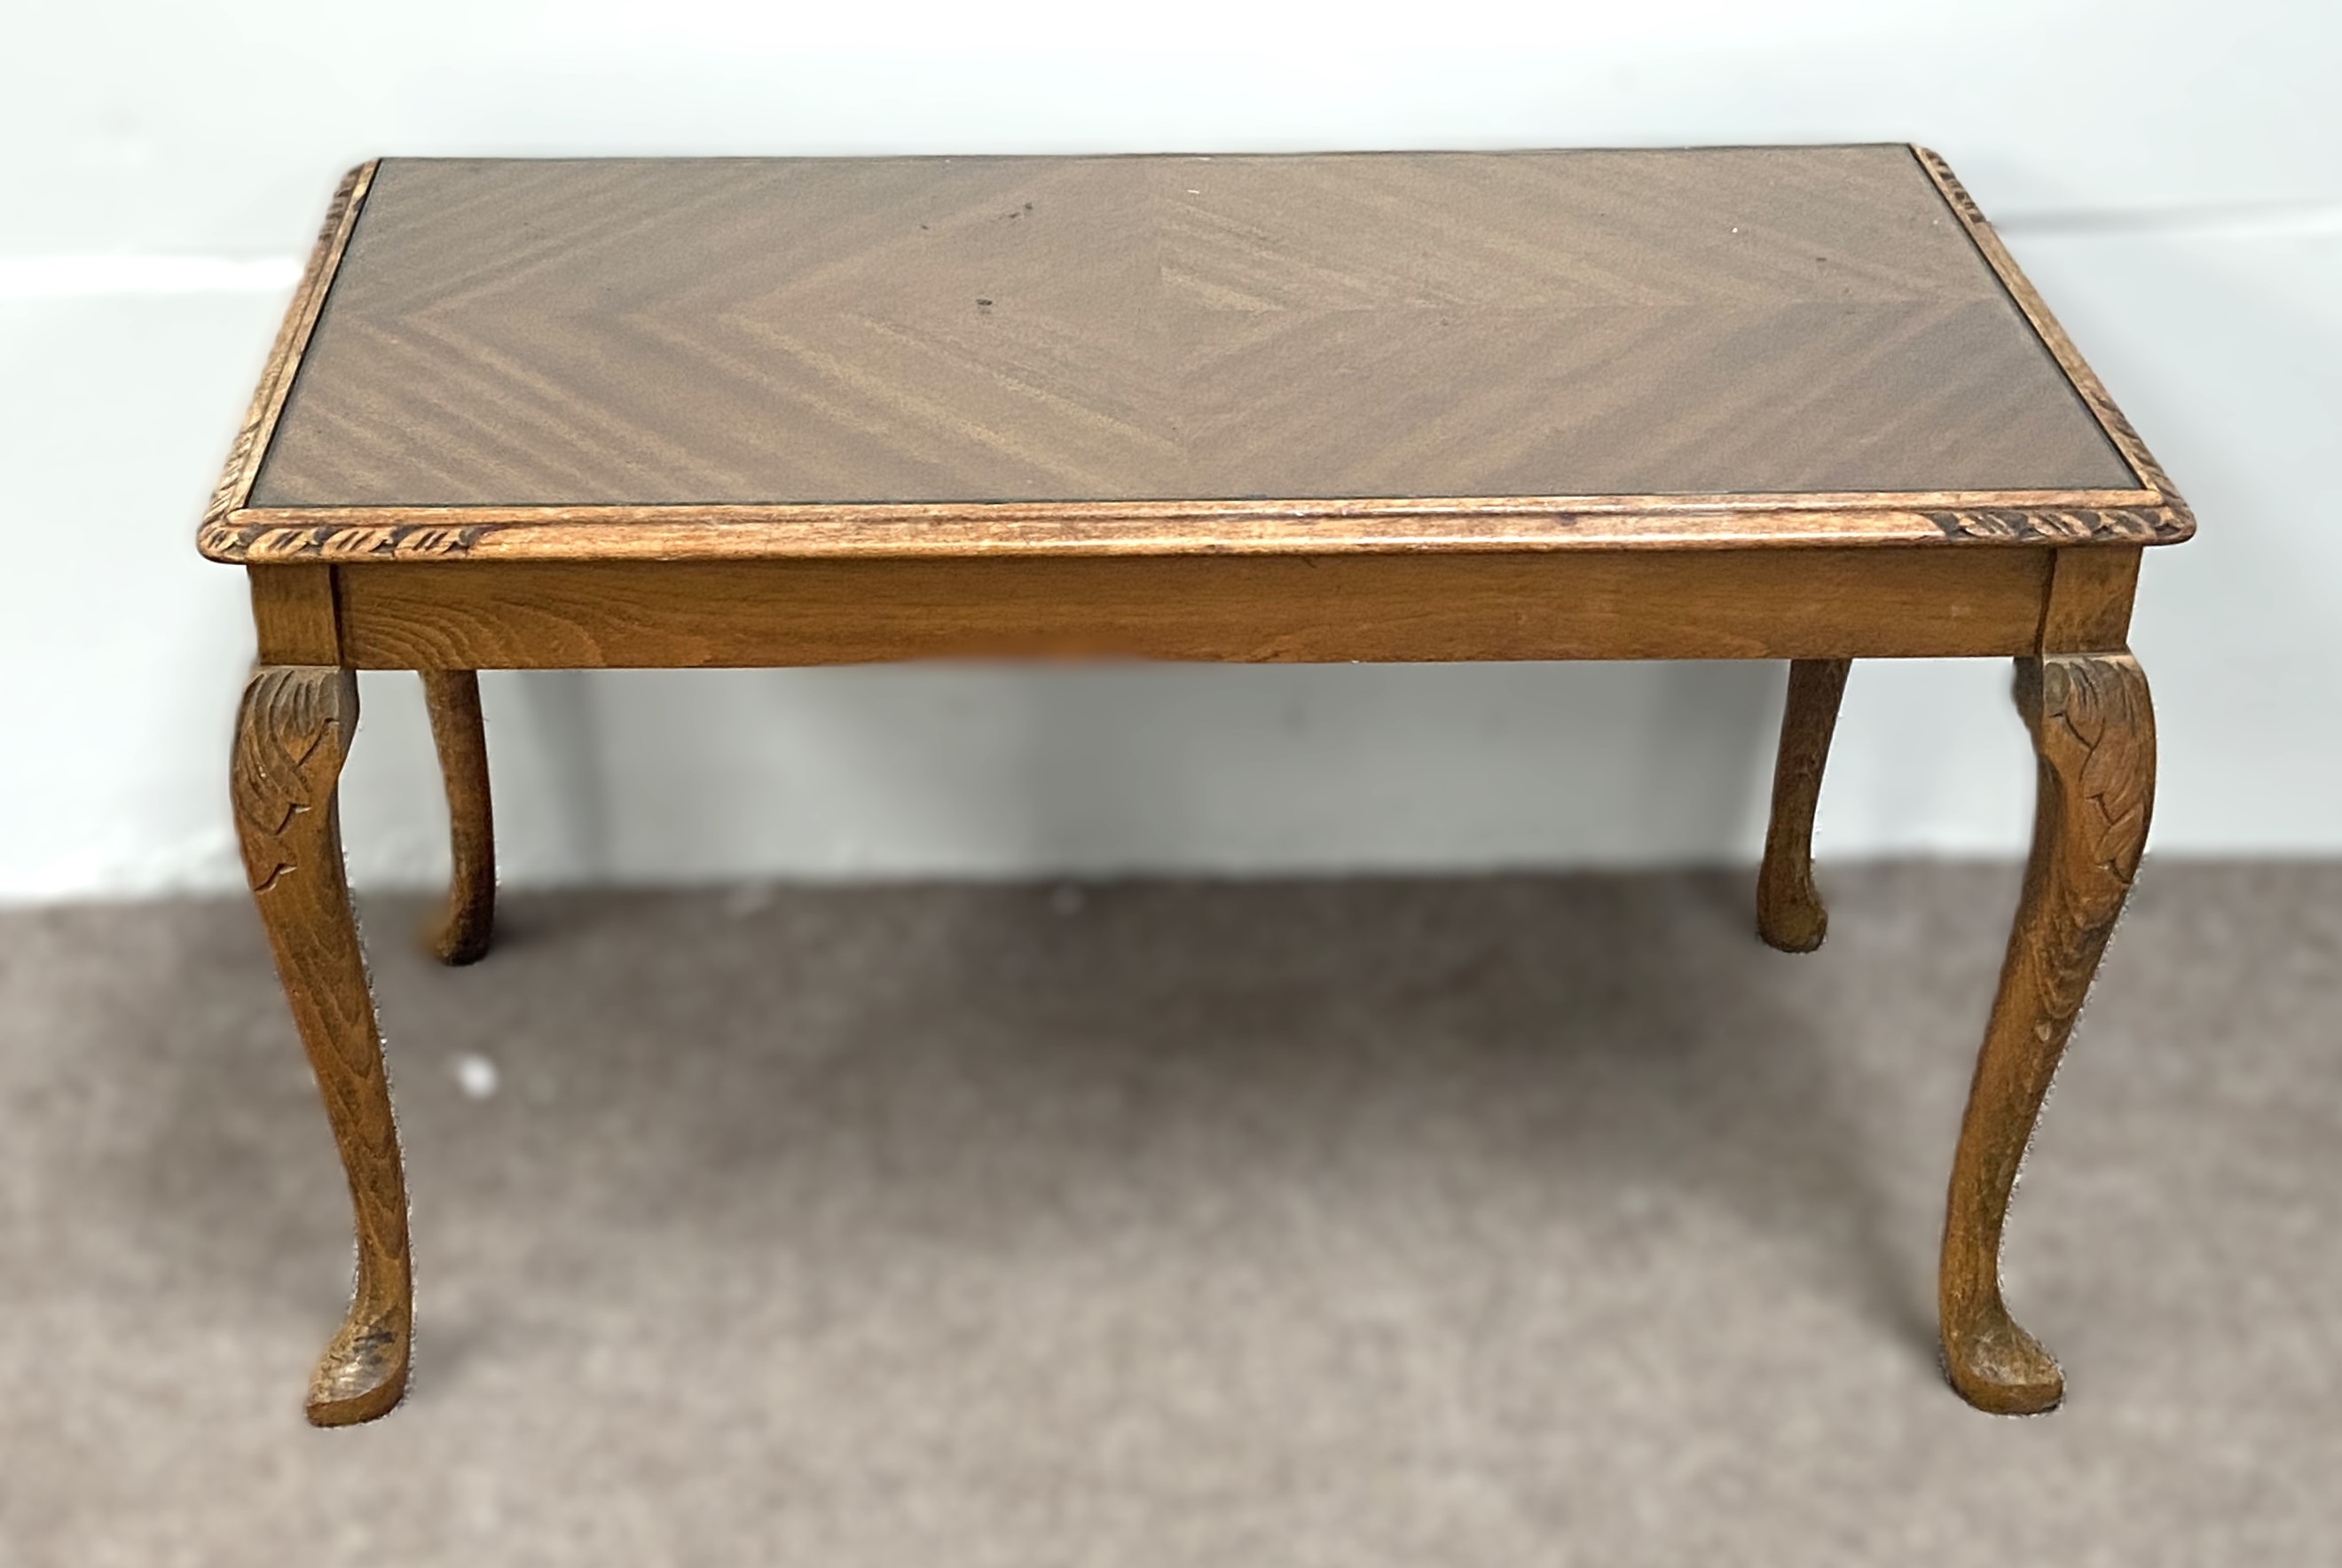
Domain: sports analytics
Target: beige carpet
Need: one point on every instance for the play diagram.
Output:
(1479, 1222)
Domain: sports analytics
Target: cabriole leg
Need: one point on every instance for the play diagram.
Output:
(292, 735)
(460, 934)
(1790, 913)
(2094, 731)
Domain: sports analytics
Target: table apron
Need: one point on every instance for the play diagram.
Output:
(1774, 603)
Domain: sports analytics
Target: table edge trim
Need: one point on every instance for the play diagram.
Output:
(712, 531)
(251, 443)
(2118, 429)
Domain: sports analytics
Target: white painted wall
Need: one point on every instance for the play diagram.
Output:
(2167, 170)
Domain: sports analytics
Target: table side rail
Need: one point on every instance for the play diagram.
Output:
(1399, 608)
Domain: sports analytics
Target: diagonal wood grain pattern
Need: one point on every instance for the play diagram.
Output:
(509, 333)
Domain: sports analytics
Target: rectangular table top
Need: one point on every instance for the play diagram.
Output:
(575, 359)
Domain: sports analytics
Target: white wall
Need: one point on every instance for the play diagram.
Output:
(2166, 170)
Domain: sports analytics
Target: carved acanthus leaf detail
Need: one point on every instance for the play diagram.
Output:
(290, 740)
(2094, 729)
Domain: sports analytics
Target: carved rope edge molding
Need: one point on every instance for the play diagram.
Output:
(1958, 193)
(2161, 525)
(263, 543)
(275, 542)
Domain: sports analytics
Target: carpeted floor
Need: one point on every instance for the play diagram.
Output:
(1514, 1222)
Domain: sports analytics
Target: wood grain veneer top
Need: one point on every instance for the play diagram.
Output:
(576, 359)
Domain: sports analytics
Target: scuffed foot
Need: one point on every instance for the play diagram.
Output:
(362, 1374)
(459, 933)
(1790, 913)
(1999, 1367)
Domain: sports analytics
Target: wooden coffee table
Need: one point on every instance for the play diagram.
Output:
(1752, 403)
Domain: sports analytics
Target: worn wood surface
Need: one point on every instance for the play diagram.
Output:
(2090, 594)
(460, 934)
(293, 733)
(294, 618)
(1696, 604)
(1790, 914)
(735, 358)
(2093, 728)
